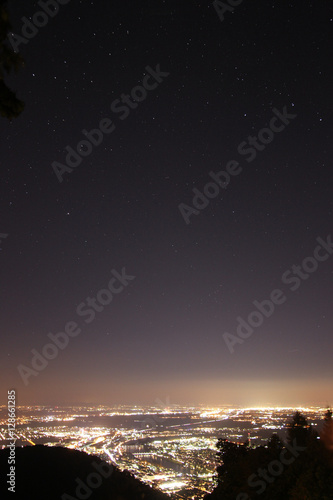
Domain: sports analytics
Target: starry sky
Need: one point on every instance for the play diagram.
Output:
(225, 76)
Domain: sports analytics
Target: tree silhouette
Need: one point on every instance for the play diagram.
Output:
(298, 429)
(300, 469)
(228, 451)
(231, 473)
(327, 432)
(10, 105)
(275, 444)
(328, 415)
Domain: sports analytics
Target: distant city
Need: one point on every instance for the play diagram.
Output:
(171, 448)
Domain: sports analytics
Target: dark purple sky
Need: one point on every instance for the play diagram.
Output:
(163, 334)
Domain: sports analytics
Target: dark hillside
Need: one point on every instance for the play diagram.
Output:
(62, 474)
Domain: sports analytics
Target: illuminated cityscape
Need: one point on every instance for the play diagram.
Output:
(172, 448)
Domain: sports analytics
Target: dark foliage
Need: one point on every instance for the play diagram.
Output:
(300, 469)
(10, 105)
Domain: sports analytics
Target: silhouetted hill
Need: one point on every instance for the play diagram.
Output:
(61, 474)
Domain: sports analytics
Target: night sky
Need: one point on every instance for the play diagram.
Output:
(211, 86)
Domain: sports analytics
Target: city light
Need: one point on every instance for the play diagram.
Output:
(173, 450)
